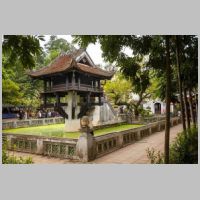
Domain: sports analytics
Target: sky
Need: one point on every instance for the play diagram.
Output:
(94, 50)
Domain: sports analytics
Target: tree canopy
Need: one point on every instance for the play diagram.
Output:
(22, 52)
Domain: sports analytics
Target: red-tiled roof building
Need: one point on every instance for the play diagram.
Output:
(72, 74)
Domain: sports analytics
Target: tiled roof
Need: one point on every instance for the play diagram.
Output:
(66, 62)
(60, 64)
(93, 70)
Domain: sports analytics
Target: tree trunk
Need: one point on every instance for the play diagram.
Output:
(191, 108)
(167, 98)
(136, 113)
(186, 108)
(196, 99)
(180, 82)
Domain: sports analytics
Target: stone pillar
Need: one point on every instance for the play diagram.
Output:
(120, 141)
(77, 111)
(14, 124)
(86, 145)
(71, 125)
(40, 147)
(150, 130)
(138, 135)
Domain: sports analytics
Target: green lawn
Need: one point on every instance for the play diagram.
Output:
(57, 130)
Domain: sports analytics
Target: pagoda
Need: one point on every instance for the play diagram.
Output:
(73, 82)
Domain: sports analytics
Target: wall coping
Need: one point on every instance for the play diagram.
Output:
(97, 138)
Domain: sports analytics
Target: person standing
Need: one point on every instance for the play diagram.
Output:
(39, 114)
(25, 115)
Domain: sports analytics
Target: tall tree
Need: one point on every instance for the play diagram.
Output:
(157, 49)
(180, 82)
(113, 51)
(19, 54)
(58, 44)
(167, 123)
(139, 77)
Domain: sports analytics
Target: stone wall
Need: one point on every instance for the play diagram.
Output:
(48, 146)
(67, 148)
(130, 118)
(113, 141)
(32, 122)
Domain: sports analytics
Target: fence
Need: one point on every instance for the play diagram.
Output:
(66, 148)
(110, 142)
(53, 147)
(130, 118)
(32, 122)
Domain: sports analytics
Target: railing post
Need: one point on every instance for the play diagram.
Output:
(14, 124)
(86, 145)
(40, 148)
(150, 130)
(120, 141)
(138, 135)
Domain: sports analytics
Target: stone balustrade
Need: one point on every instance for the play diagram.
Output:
(48, 146)
(31, 122)
(130, 118)
(66, 148)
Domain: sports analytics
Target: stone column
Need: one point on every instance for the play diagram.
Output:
(120, 141)
(86, 145)
(71, 125)
(40, 146)
(138, 135)
(150, 130)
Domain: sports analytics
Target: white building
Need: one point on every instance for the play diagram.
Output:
(157, 107)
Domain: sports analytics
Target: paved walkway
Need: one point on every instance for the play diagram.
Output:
(134, 153)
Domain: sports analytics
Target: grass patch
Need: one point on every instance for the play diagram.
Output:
(57, 130)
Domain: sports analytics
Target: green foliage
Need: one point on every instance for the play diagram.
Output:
(58, 44)
(133, 67)
(21, 48)
(155, 157)
(118, 89)
(10, 89)
(54, 47)
(145, 112)
(18, 88)
(153, 49)
(184, 150)
(11, 159)
(19, 53)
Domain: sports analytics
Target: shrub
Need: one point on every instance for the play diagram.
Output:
(155, 157)
(145, 112)
(184, 150)
(11, 159)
